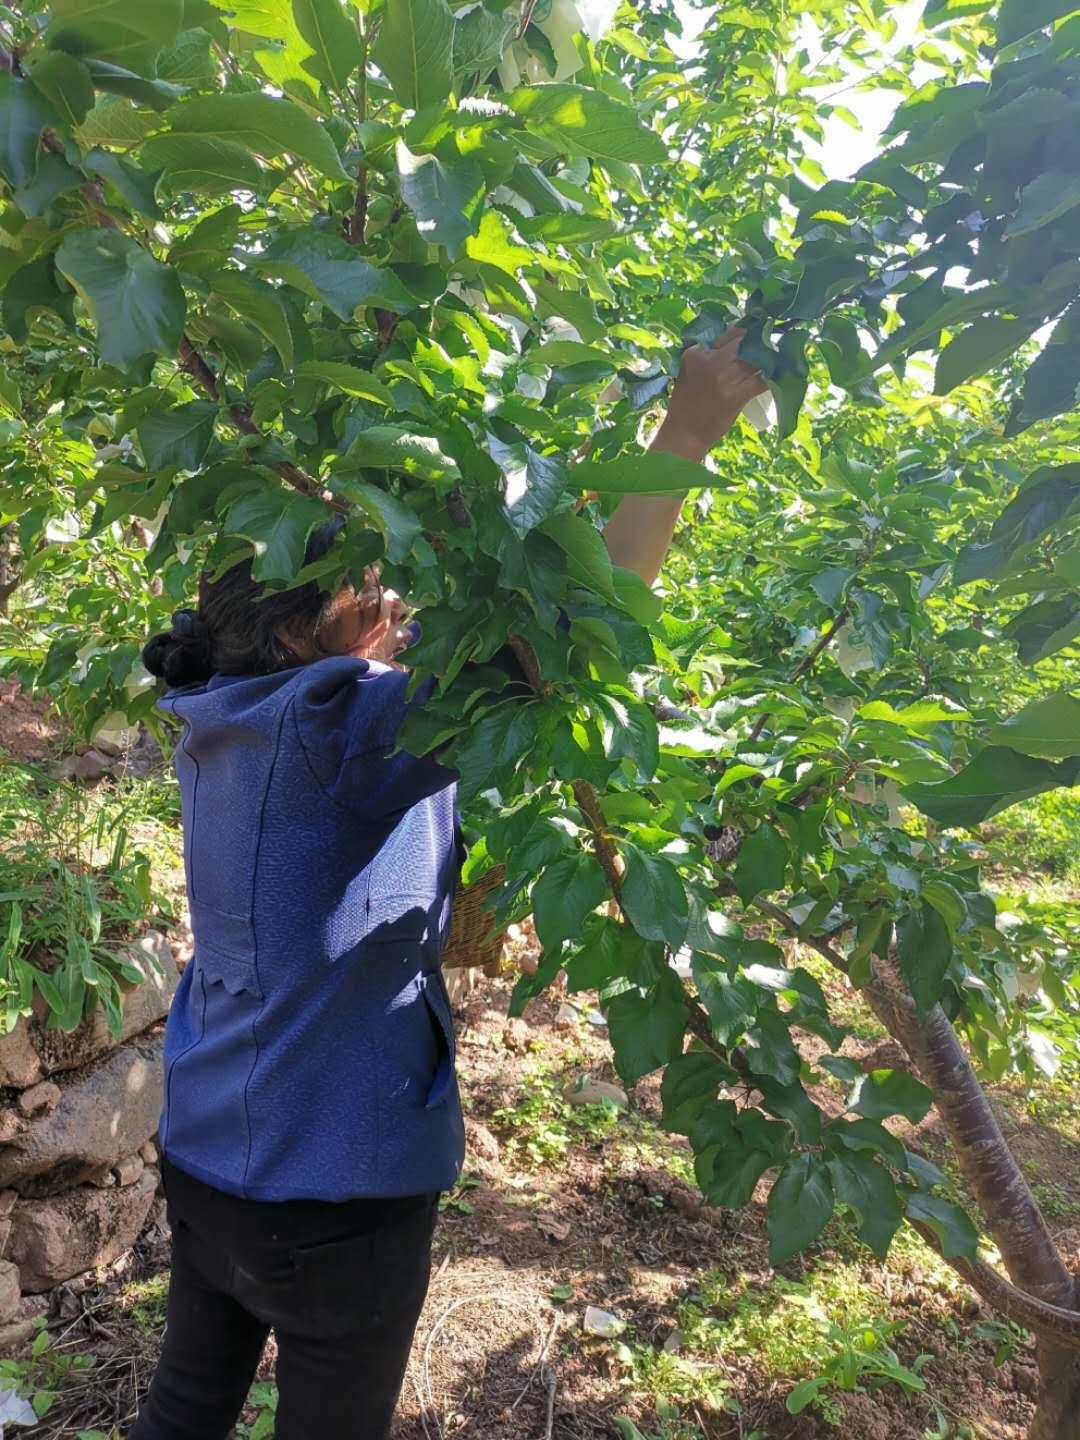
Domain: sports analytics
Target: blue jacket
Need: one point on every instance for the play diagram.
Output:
(309, 1052)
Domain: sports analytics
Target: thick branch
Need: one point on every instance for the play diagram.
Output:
(988, 1165)
(1055, 1322)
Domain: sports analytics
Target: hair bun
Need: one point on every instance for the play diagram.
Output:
(182, 655)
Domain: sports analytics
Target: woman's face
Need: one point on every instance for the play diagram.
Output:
(370, 625)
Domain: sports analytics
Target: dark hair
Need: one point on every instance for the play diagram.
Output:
(237, 628)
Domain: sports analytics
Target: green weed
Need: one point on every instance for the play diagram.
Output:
(543, 1126)
(263, 1399)
(147, 1301)
(40, 1378)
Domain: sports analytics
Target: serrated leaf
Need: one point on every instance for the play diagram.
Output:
(445, 195)
(262, 124)
(949, 1223)
(24, 113)
(415, 50)
(255, 301)
(178, 438)
(326, 267)
(654, 473)
(994, 780)
(920, 717)
(981, 347)
(398, 524)
(1049, 727)
(883, 1093)
(278, 523)
(925, 952)
(1047, 198)
(335, 45)
(565, 896)
(762, 863)
(137, 303)
(349, 379)
(654, 897)
(646, 1031)
(588, 122)
(534, 483)
(158, 22)
(202, 164)
(867, 1187)
(65, 82)
(800, 1206)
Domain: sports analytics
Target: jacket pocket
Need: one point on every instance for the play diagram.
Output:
(438, 1006)
(239, 976)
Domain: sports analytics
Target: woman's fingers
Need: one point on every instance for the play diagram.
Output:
(733, 336)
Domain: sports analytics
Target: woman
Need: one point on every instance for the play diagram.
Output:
(311, 1112)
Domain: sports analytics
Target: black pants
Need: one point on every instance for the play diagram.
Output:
(341, 1286)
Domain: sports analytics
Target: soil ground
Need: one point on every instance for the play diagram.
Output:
(563, 1208)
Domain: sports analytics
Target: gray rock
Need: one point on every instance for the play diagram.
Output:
(32, 1051)
(106, 1112)
(52, 1240)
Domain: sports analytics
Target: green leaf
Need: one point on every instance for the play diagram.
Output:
(157, 94)
(690, 1085)
(158, 22)
(925, 952)
(920, 718)
(654, 898)
(994, 780)
(479, 40)
(398, 524)
(1018, 18)
(278, 522)
(647, 1030)
(762, 863)
(987, 343)
(415, 51)
(135, 185)
(1046, 199)
(865, 1185)
(202, 164)
(949, 1223)
(347, 378)
(189, 62)
(1045, 628)
(883, 1093)
(258, 303)
(590, 563)
(54, 177)
(534, 483)
(389, 447)
(830, 584)
(800, 1206)
(588, 122)
(445, 195)
(565, 896)
(1047, 496)
(138, 304)
(30, 289)
(488, 759)
(652, 473)
(1053, 381)
(630, 731)
(734, 1176)
(66, 83)
(804, 1393)
(327, 268)
(333, 39)
(178, 438)
(1048, 727)
(24, 113)
(263, 124)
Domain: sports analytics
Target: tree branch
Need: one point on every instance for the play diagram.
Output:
(840, 619)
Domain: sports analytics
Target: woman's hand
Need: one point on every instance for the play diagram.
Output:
(709, 396)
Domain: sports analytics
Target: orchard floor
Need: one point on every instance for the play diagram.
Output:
(561, 1208)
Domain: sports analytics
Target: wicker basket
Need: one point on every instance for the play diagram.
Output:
(472, 941)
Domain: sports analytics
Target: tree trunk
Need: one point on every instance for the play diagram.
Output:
(997, 1183)
(1058, 1414)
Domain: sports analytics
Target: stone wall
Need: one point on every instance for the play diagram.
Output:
(78, 1114)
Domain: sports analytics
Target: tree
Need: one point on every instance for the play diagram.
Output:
(263, 261)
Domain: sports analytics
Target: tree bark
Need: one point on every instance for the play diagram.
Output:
(1057, 1416)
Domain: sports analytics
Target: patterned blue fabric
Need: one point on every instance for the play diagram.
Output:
(309, 1052)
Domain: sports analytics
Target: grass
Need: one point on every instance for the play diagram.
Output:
(146, 1302)
(541, 1125)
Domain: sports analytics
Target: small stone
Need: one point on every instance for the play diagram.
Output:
(102, 1177)
(10, 1293)
(673, 1343)
(5, 1235)
(10, 1126)
(589, 1091)
(91, 766)
(1025, 1379)
(40, 1099)
(129, 1170)
(107, 748)
(568, 1016)
(149, 1153)
(516, 1036)
(7, 1201)
(23, 1324)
